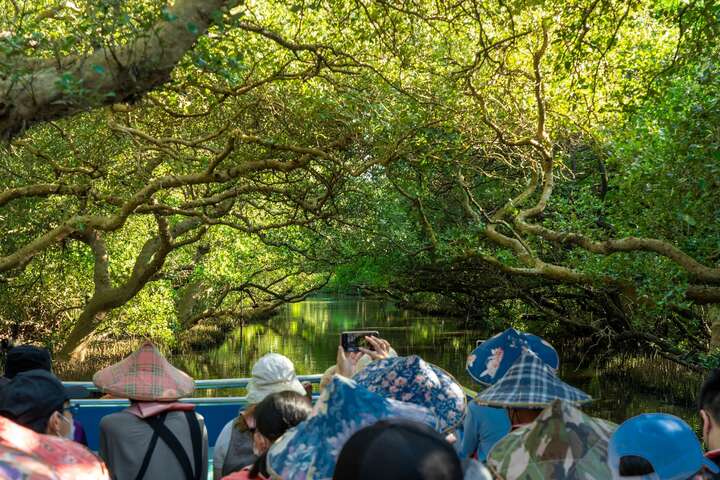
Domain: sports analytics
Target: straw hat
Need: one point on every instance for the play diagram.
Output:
(145, 376)
(411, 379)
(491, 359)
(563, 443)
(310, 450)
(530, 383)
(272, 373)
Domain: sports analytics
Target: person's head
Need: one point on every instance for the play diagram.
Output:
(397, 448)
(709, 406)
(277, 413)
(36, 399)
(656, 446)
(522, 416)
(26, 357)
(272, 373)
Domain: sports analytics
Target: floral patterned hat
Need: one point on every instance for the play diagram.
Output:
(310, 450)
(492, 358)
(411, 379)
(145, 376)
(530, 383)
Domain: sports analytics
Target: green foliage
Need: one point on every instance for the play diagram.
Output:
(407, 100)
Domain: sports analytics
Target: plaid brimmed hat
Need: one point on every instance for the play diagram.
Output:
(562, 443)
(145, 376)
(310, 450)
(491, 359)
(411, 379)
(530, 383)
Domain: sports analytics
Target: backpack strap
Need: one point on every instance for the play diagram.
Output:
(149, 452)
(158, 425)
(196, 439)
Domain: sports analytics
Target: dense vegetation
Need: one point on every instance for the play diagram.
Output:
(553, 164)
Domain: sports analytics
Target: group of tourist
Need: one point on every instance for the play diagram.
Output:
(379, 416)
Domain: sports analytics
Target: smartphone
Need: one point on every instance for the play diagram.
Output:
(352, 341)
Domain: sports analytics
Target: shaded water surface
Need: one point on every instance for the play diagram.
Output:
(308, 333)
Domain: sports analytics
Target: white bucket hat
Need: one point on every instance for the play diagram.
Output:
(272, 373)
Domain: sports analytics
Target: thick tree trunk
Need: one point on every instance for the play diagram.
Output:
(109, 75)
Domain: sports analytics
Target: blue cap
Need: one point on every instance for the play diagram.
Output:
(493, 358)
(665, 441)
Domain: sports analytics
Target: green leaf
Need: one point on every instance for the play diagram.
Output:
(192, 28)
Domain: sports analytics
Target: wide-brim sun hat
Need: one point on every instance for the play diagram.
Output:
(530, 383)
(563, 443)
(145, 376)
(272, 373)
(411, 379)
(665, 441)
(310, 450)
(489, 362)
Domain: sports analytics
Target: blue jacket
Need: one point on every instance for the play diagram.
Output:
(483, 428)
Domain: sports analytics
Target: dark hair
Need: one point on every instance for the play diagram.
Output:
(632, 465)
(276, 414)
(709, 399)
(397, 448)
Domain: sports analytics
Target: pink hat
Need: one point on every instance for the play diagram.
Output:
(146, 376)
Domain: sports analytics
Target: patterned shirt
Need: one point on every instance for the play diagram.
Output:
(67, 459)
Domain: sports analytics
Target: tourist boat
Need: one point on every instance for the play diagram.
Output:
(217, 411)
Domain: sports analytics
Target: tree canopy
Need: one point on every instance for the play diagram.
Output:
(166, 164)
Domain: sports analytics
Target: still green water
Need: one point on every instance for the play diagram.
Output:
(308, 333)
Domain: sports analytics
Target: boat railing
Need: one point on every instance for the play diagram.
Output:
(212, 384)
(216, 410)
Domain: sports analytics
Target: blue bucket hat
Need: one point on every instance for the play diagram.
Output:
(665, 441)
(310, 450)
(492, 358)
(412, 379)
(530, 383)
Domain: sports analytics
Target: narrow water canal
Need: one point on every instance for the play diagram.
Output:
(308, 333)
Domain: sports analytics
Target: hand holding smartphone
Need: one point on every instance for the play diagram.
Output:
(353, 341)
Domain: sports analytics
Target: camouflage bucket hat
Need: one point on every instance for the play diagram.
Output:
(562, 443)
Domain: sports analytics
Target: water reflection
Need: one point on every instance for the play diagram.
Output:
(308, 333)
